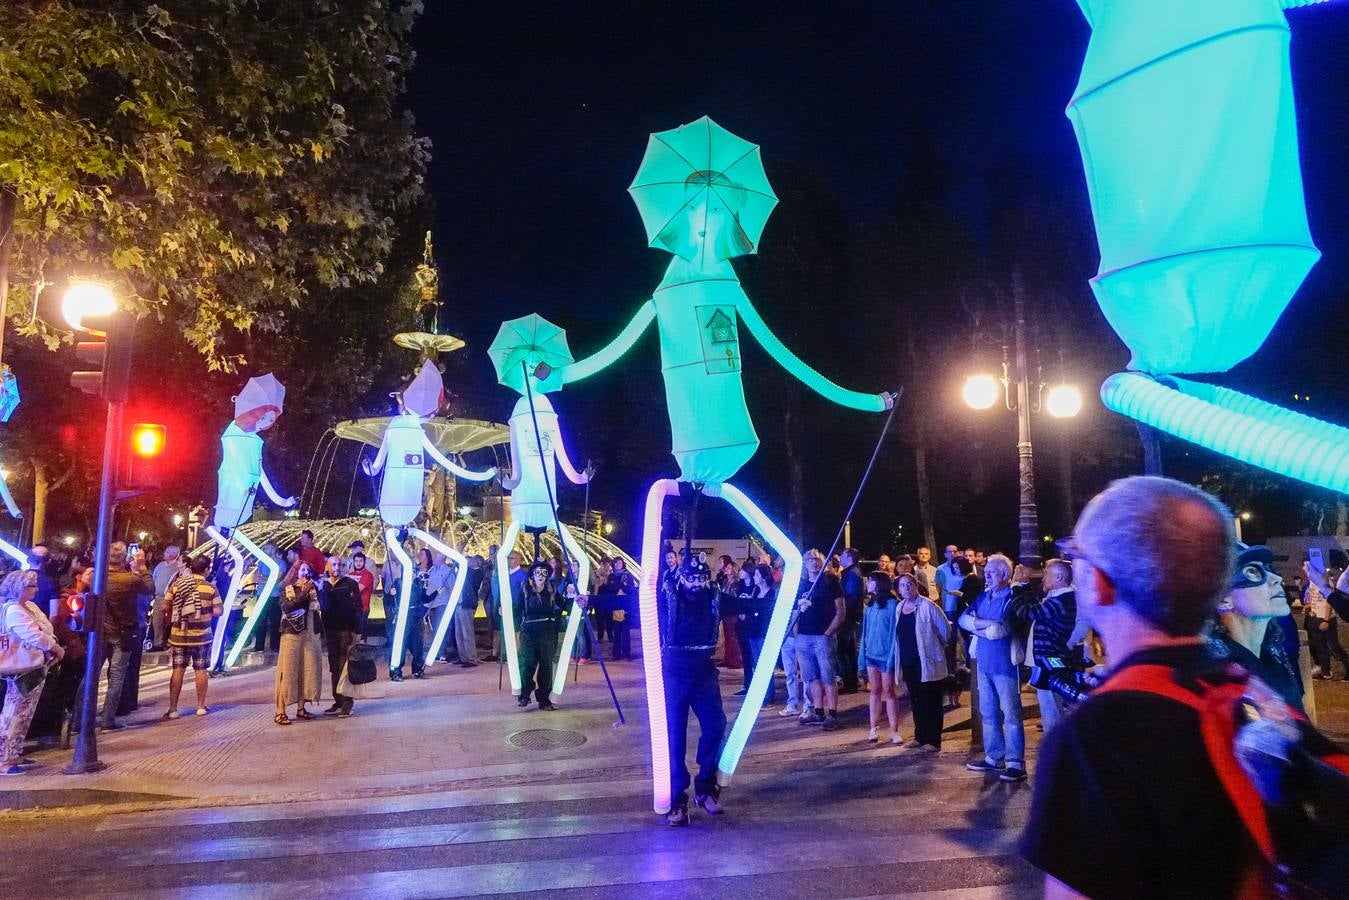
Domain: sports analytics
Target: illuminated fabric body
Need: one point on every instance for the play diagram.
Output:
(703, 196)
(400, 490)
(238, 477)
(1185, 118)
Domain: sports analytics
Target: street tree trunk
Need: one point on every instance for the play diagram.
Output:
(7, 209)
(43, 486)
(796, 470)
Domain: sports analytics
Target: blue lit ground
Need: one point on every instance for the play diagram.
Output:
(420, 795)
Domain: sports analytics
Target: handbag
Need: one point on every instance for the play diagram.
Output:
(361, 664)
(17, 657)
(366, 691)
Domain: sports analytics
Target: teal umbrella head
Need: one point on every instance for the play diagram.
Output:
(9, 393)
(702, 191)
(530, 340)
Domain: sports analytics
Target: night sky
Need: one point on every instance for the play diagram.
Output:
(539, 114)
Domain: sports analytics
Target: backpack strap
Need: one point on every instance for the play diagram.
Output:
(1216, 705)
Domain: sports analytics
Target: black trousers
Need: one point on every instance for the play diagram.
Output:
(926, 698)
(691, 685)
(620, 633)
(846, 644)
(538, 651)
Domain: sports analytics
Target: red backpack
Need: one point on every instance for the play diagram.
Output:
(1217, 697)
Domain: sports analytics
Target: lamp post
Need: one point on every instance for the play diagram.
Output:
(982, 391)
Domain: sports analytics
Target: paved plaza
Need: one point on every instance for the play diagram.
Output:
(439, 789)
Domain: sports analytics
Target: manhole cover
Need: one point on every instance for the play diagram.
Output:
(546, 739)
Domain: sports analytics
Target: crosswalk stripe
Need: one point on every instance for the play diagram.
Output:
(597, 871)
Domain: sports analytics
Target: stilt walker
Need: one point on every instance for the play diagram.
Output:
(703, 196)
(527, 352)
(256, 408)
(402, 458)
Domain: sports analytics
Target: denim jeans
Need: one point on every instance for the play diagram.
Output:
(789, 668)
(1051, 708)
(465, 638)
(752, 661)
(112, 650)
(815, 658)
(691, 686)
(1000, 714)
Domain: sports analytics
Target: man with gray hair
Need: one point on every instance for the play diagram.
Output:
(169, 568)
(1052, 618)
(1127, 801)
(999, 651)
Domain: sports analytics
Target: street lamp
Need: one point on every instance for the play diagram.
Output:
(86, 299)
(982, 391)
(177, 520)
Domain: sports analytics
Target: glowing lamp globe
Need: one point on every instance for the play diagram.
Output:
(86, 298)
(1064, 401)
(980, 391)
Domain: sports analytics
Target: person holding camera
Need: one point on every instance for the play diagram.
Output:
(127, 582)
(1051, 618)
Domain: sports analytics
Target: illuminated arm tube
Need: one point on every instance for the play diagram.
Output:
(283, 502)
(1259, 409)
(456, 589)
(454, 467)
(798, 369)
(651, 657)
(617, 347)
(236, 576)
(9, 500)
(260, 602)
(14, 553)
(1281, 446)
(777, 629)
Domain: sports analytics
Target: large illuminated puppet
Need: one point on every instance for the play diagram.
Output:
(527, 353)
(1185, 118)
(256, 409)
(9, 401)
(402, 457)
(704, 197)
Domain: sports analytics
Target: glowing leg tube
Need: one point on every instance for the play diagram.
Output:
(1280, 444)
(511, 648)
(456, 590)
(651, 661)
(14, 553)
(575, 616)
(260, 604)
(218, 642)
(404, 593)
(777, 629)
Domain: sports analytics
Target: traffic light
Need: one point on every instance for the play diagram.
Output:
(111, 355)
(77, 620)
(141, 471)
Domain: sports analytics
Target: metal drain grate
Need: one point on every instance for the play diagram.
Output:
(546, 739)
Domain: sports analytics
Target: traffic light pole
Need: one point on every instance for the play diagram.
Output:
(86, 744)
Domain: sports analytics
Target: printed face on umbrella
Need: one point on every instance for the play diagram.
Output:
(707, 223)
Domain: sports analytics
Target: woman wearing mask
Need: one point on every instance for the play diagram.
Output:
(24, 627)
(299, 665)
(920, 660)
(877, 659)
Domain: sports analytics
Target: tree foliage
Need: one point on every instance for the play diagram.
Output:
(217, 161)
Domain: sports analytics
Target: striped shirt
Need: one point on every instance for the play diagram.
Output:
(193, 605)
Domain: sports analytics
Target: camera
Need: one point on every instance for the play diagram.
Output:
(1067, 678)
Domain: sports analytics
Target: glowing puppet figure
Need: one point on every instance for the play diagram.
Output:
(533, 487)
(1185, 117)
(704, 197)
(256, 409)
(402, 457)
(9, 401)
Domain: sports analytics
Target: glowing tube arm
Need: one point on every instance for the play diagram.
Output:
(373, 468)
(9, 500)
(575, 616)
(406, 575)
(15, 554)
(512, 481)
(285, 502)
(1272, 440)
(236, 577)
(798, 369)
(617, 347)
(649, 617)
(454, 467)
(777, 629)
(563, 460)
(506, 597)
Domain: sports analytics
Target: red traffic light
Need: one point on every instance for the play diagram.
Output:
(147, 440)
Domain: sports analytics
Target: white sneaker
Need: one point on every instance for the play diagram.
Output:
(872, 735)
(201, 710)
(789, 710)
(895, 738)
